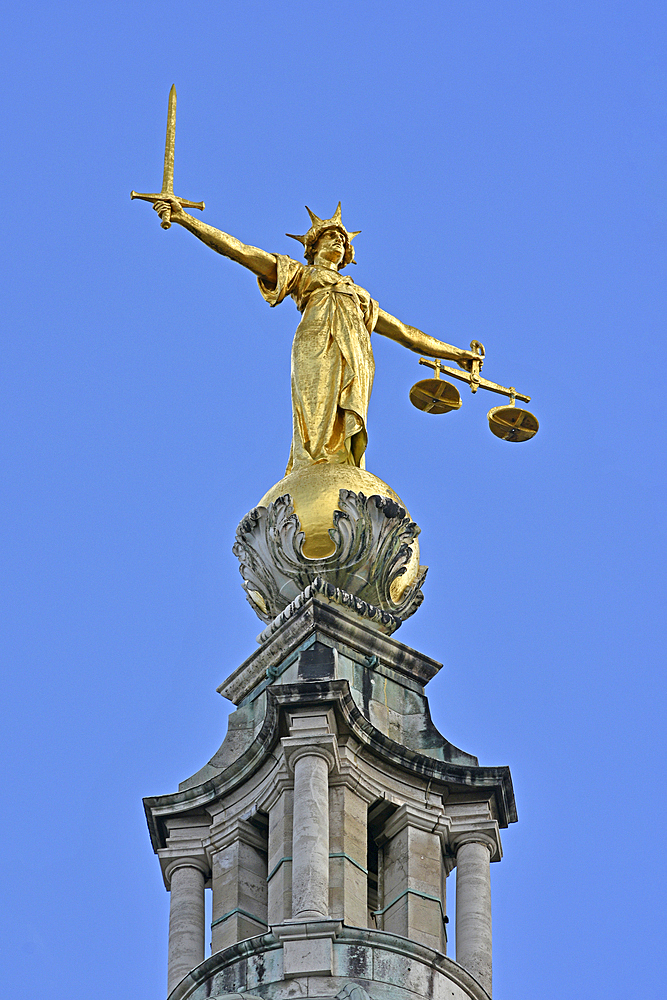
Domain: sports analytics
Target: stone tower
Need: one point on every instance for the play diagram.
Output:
(328, 822)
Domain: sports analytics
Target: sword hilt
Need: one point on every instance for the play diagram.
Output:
(165, 218)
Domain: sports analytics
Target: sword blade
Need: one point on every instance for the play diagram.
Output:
(168, 174)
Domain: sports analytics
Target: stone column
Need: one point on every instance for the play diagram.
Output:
(186, 918)
(473, 906)
(310, 837)
(310, 758)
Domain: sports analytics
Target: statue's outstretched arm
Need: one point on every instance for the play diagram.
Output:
(421, 343)
(258, 261)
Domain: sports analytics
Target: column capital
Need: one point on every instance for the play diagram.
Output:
(489, 839)
(326, 747)
(474, 822)
(170, 862)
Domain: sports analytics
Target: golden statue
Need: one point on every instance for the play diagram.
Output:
(332, 358)
(332, 377)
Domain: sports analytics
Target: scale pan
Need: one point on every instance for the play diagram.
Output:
(433, 395)
(511, 423)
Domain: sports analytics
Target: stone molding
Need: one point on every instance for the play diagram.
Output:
(299, 930)
(296, 747)
(238, 830)
(385, 621)
(348, 776)
(281, 784)
(387, 944)
(334, 626)
(408, 816)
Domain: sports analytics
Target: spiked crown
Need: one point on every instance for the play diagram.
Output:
(319, 226)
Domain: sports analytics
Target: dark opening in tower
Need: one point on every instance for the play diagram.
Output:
(378, 814)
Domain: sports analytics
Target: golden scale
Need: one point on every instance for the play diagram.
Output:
(434, 395)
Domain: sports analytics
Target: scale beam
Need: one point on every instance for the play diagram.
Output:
(474, 381)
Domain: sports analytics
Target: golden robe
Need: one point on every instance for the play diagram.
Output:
(332, 362)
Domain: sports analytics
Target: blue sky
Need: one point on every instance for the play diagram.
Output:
(506, 163)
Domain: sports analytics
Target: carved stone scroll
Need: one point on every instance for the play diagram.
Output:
(373, 548)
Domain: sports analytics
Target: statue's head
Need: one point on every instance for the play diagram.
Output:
(318, 228)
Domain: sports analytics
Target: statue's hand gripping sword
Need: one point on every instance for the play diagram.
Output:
(168, 175)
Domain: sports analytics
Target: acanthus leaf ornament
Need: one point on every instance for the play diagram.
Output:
(373, 541)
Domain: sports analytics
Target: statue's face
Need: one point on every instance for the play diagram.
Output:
(331, 247)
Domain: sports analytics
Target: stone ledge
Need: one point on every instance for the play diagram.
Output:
(298, 930)
(385, 965)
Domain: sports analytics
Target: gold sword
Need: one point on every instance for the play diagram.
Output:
(168, 173)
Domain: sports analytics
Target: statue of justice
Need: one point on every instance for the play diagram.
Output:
(332, 367)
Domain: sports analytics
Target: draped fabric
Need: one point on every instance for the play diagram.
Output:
(332, 362)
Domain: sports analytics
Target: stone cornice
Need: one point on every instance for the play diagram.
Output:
(494, 780)
(316, 616)
(489, 781)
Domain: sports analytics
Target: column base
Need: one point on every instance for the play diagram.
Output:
(307, 946)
